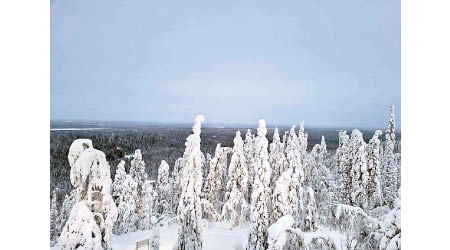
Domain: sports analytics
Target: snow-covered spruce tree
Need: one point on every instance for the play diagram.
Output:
(137, 170)
(311, 208)
(323, 153)
(163, 188)
(281, 202)
(148, 199)
(189, 209)
(249, 151)
(119, 178)
(294, 162)
(238, 170)
(176, 185)
(213, 188)
(359, 173)
(260, 196)
(53, 216)
(91, 219)
(389, 166)
(312, 168)
(66, 207)
(374, 188)
(344, 160)
(277, 159)
(235, 207)
(303, 143)
(127, 209)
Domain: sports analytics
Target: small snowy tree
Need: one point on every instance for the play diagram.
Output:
(235, 207)
(213, 187)
(189, 209)
(281, 205)
(311, 207)
(148, 199)
(163, 188)
(261, 192)
(119, 178)
(127, 209)
(66, 207)
(137, 170)
(277, 159)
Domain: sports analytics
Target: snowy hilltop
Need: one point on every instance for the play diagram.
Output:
(253, 195)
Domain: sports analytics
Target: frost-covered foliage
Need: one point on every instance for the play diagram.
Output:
(189, 209)
(373, 154)
(388, 231)
(148, 199)
(277, 158)
(175, 181)
(343, 154)
(64, 211)
(214, 188)
(310, 210)
(235, 208)
(281, 202)
(137, 170)
(81, 230)
(90, 175)
(238, 170)
(53, 216)
(119, 178)
(390, 168)
(127, 210)
(260, 196)
(249, 152)
(164, 188)
(278, 232)
(359, 173)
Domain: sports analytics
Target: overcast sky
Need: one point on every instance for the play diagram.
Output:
(330, 63)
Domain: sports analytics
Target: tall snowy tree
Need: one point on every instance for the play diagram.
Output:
(148, 199)
(137, 170)
(238, 170)
(249, 151)
(359, 173)
(214, 187)
(277, 159)
(344, 157)
(163, 188)
(96, 212)
(189, 209)
(261, 192)
(303, 143)
(127, 209)
(374, 188)
(389, 167)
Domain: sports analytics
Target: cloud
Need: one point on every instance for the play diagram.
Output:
(232, 92)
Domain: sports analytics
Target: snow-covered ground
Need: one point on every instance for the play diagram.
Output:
(218, 236)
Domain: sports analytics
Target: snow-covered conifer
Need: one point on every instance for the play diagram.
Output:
(280, 196)
(213, 187)
(303, 143)
(311, 208)
(344, 157)
(389, 167)
(235, 206)
(127, 210)
(66, 207)
(238, 170)
(119, 178)
(189, 209)
(249, 151)
(90, 175)
(278, 232)
(163, 188)
(277, 159)
(137, 170)
(359, 173)
(261, 192)
(148, 199)
(374, 188)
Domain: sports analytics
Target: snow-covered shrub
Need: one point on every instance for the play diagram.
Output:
(189, 209)
(260, 196)
(278, 232)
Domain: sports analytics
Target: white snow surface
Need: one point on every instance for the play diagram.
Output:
(218, 236)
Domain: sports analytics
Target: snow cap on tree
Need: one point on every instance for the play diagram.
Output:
(77, 147)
